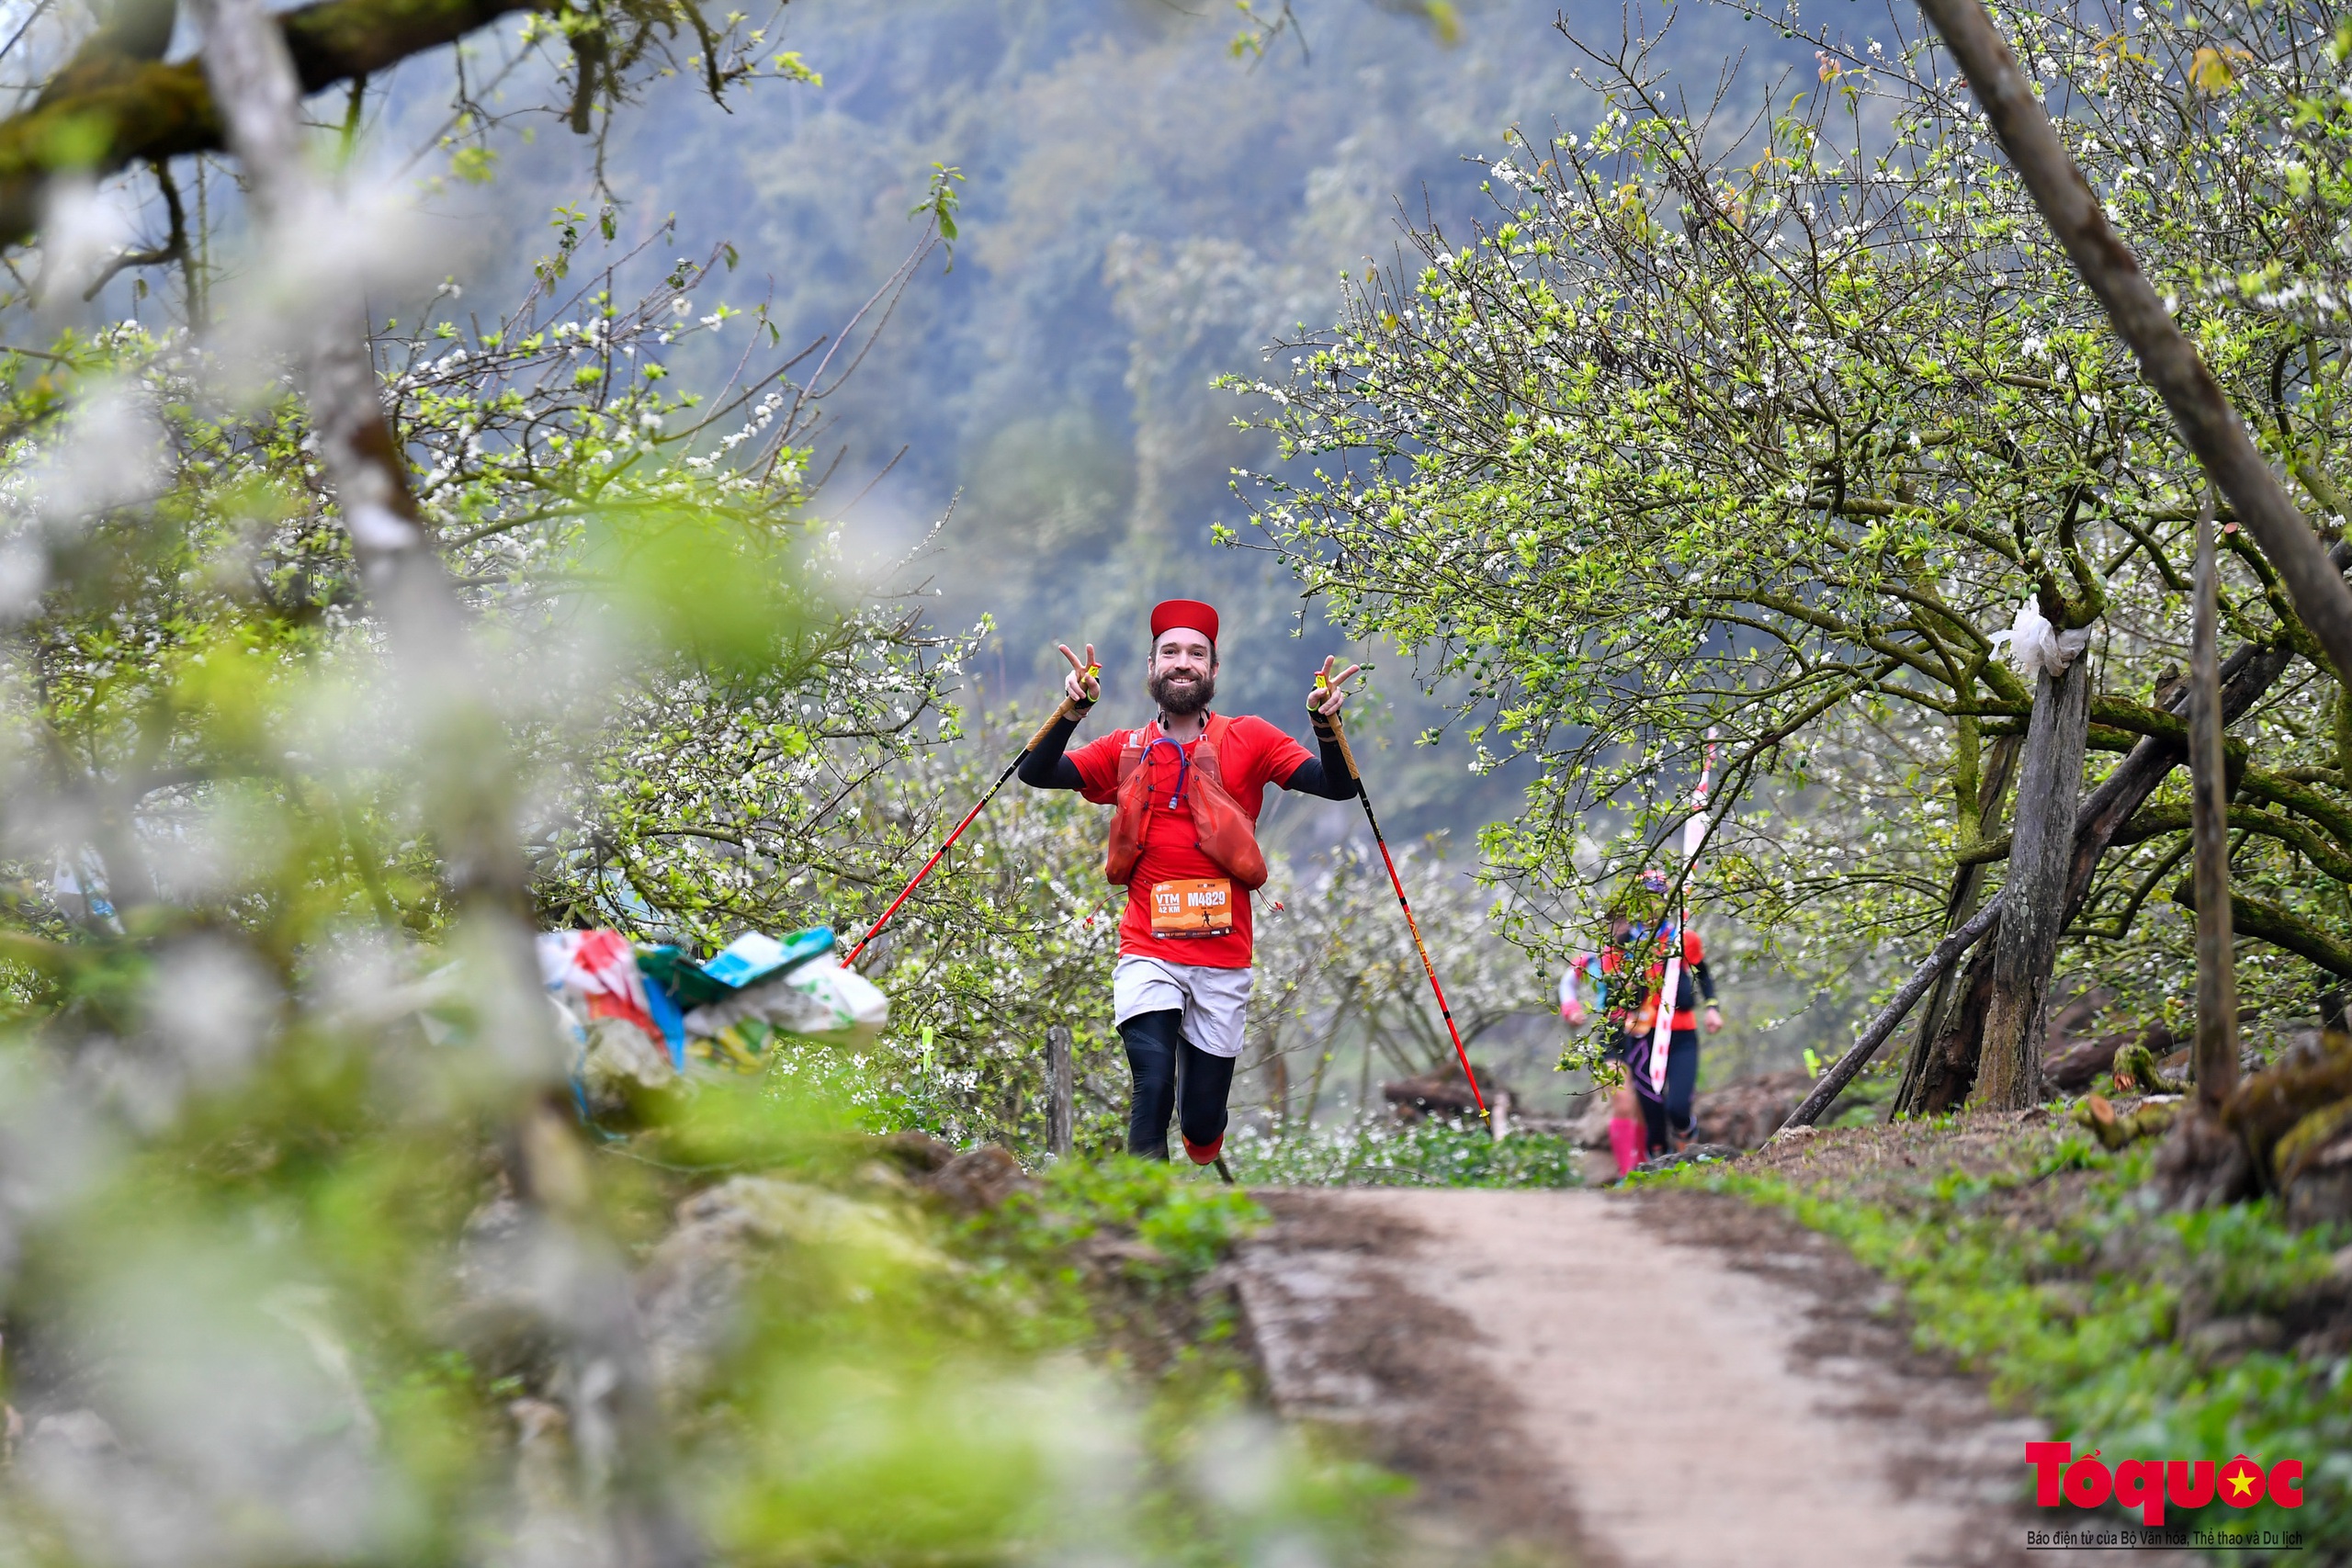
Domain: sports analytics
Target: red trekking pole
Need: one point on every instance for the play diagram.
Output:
(1332, 720)
(1067, 709)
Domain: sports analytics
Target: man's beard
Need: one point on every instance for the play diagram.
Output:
(1182, 701)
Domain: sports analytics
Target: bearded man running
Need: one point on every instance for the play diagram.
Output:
(1184, 844)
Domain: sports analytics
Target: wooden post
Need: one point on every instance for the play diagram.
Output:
(1061, 1072)
(2033, 899)
(2216, 1052)
(1501, 1117)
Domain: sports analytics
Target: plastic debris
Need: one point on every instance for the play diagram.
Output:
(816, 997)
(755, 955)
(639, 1019)
(599, 970)
(2038, 648)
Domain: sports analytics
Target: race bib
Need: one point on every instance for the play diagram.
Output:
(1203, 908)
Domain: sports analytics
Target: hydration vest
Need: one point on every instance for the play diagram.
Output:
(1221, 829)
(1655, 950)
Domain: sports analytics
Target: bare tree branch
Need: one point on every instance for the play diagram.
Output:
(1833, 1082)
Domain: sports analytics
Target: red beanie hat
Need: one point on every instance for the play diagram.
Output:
(1191, 612)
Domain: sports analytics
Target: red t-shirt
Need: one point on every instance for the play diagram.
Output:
(1254, 755)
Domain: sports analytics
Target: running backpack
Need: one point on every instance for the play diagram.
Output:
(1220, 828)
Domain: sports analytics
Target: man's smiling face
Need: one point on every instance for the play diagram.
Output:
(1182, 672)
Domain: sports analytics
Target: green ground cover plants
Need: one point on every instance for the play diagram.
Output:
(1380, 1153)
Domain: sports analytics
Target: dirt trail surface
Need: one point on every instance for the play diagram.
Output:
(1652, 1381)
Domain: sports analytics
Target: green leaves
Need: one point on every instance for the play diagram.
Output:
(942, 200)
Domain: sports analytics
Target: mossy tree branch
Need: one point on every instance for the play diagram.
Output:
(106, 109)
(2279, 927)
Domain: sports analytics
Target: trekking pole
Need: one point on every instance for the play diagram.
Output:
(1694, 838)
(1069, 709)
(1320, 719)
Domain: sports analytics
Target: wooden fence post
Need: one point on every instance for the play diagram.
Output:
(1061, 1072)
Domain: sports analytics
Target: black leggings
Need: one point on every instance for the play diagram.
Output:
(1670, 1120)
(1168, 1067)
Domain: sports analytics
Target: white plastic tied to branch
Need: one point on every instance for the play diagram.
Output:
(2038, 648)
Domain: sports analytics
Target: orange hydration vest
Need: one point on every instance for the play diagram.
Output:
(1222, 829)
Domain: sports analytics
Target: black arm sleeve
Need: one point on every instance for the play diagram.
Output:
(1327, 774)
(1706, 981)
(1045, 767)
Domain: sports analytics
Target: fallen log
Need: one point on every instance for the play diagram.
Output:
(2114, 1129)
(1745, 1114)
(2270, 1105)
(1444, 1093)
(2135, 1072)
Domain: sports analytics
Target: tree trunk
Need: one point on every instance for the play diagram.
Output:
(2033, 897)
(1967, 893)
(2217, 994)
(1061, 1131)
(1949, 1069)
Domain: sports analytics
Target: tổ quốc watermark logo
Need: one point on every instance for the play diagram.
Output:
(2149, 1487)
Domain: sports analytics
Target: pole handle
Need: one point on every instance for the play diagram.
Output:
(1331, 721)
(1069, 709)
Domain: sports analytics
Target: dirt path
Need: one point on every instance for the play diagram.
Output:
(1659, 1381)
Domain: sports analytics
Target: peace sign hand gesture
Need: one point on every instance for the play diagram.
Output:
(1331, 690)
(1084, 683)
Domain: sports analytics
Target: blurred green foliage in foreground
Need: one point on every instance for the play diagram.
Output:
(310, 1321)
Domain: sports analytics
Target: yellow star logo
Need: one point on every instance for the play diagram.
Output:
(2242, 1483)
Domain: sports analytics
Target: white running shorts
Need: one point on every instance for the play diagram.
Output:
(1214, 1001)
